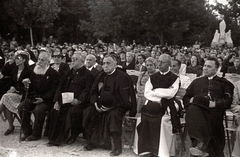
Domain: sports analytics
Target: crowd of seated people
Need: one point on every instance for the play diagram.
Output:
(35, 79)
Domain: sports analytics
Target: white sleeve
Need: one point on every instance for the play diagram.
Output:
(235, 107)
(156, 95)
(167, 92)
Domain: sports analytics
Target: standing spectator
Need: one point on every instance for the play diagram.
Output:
(42, 85)
(206, 100)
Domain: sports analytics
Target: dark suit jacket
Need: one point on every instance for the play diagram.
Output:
(224, 70)
(17, 83)
(63, 68)
(232, 69)
(79, 82)
(44, 86)
(95, 72)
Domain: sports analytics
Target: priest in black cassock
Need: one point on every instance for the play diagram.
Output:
(66, 118)
(111, 96)
(205, 101)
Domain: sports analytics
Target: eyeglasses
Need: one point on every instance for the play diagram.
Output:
(19, 57)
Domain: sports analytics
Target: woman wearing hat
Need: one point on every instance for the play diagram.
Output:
(10, 100)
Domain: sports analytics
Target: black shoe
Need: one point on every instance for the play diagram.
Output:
(71, 140)
(49, 144)
(88, 147)
(23, 138)
(32, 138)
(175, 130)
(199, 150)
(8, 132)
(116, 152)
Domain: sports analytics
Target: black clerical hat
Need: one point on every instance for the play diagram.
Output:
(201, 101)
(107, 99)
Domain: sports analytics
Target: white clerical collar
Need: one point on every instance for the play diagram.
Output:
(210, 78)
(164, 73)
(112, 72)
(90, 69)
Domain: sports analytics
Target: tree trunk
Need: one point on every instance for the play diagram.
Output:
(161, 38)
(31, 36)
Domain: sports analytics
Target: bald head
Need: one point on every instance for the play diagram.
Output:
(90, 60)
(164, 62)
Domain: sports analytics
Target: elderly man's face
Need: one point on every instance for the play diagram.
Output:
(43, 60)
(89, 61)
(209, 68)
(76, 61)
(163, 63)
(109, 65)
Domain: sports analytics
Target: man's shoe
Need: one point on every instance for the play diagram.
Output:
(32, 138)
(175, 130)
(49, 144)
(116, 152)
(71, 140)
(23, 138)
(198, 150)
(88, 147)
(8, 132)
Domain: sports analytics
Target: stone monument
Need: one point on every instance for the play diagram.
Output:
(222, 38)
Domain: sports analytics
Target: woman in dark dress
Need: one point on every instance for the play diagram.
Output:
(10, 100)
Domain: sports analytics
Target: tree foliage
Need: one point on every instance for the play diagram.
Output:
(35, 13)
(154, 21)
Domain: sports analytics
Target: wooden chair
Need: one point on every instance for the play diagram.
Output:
(230, 130)
(129, 125)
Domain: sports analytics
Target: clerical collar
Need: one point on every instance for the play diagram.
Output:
(112, 72)
(164, 73)
(210, 78)
(90, 69)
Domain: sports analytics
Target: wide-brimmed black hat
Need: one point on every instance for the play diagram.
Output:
(107, 99)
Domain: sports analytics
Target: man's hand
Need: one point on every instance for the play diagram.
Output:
(191, 100)
(212, 104)
(97, 108)
(1, 75)
(26, 82)
(75, 102)
(103, 108)
(38, 101)
(12, 90)
(56, 106)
